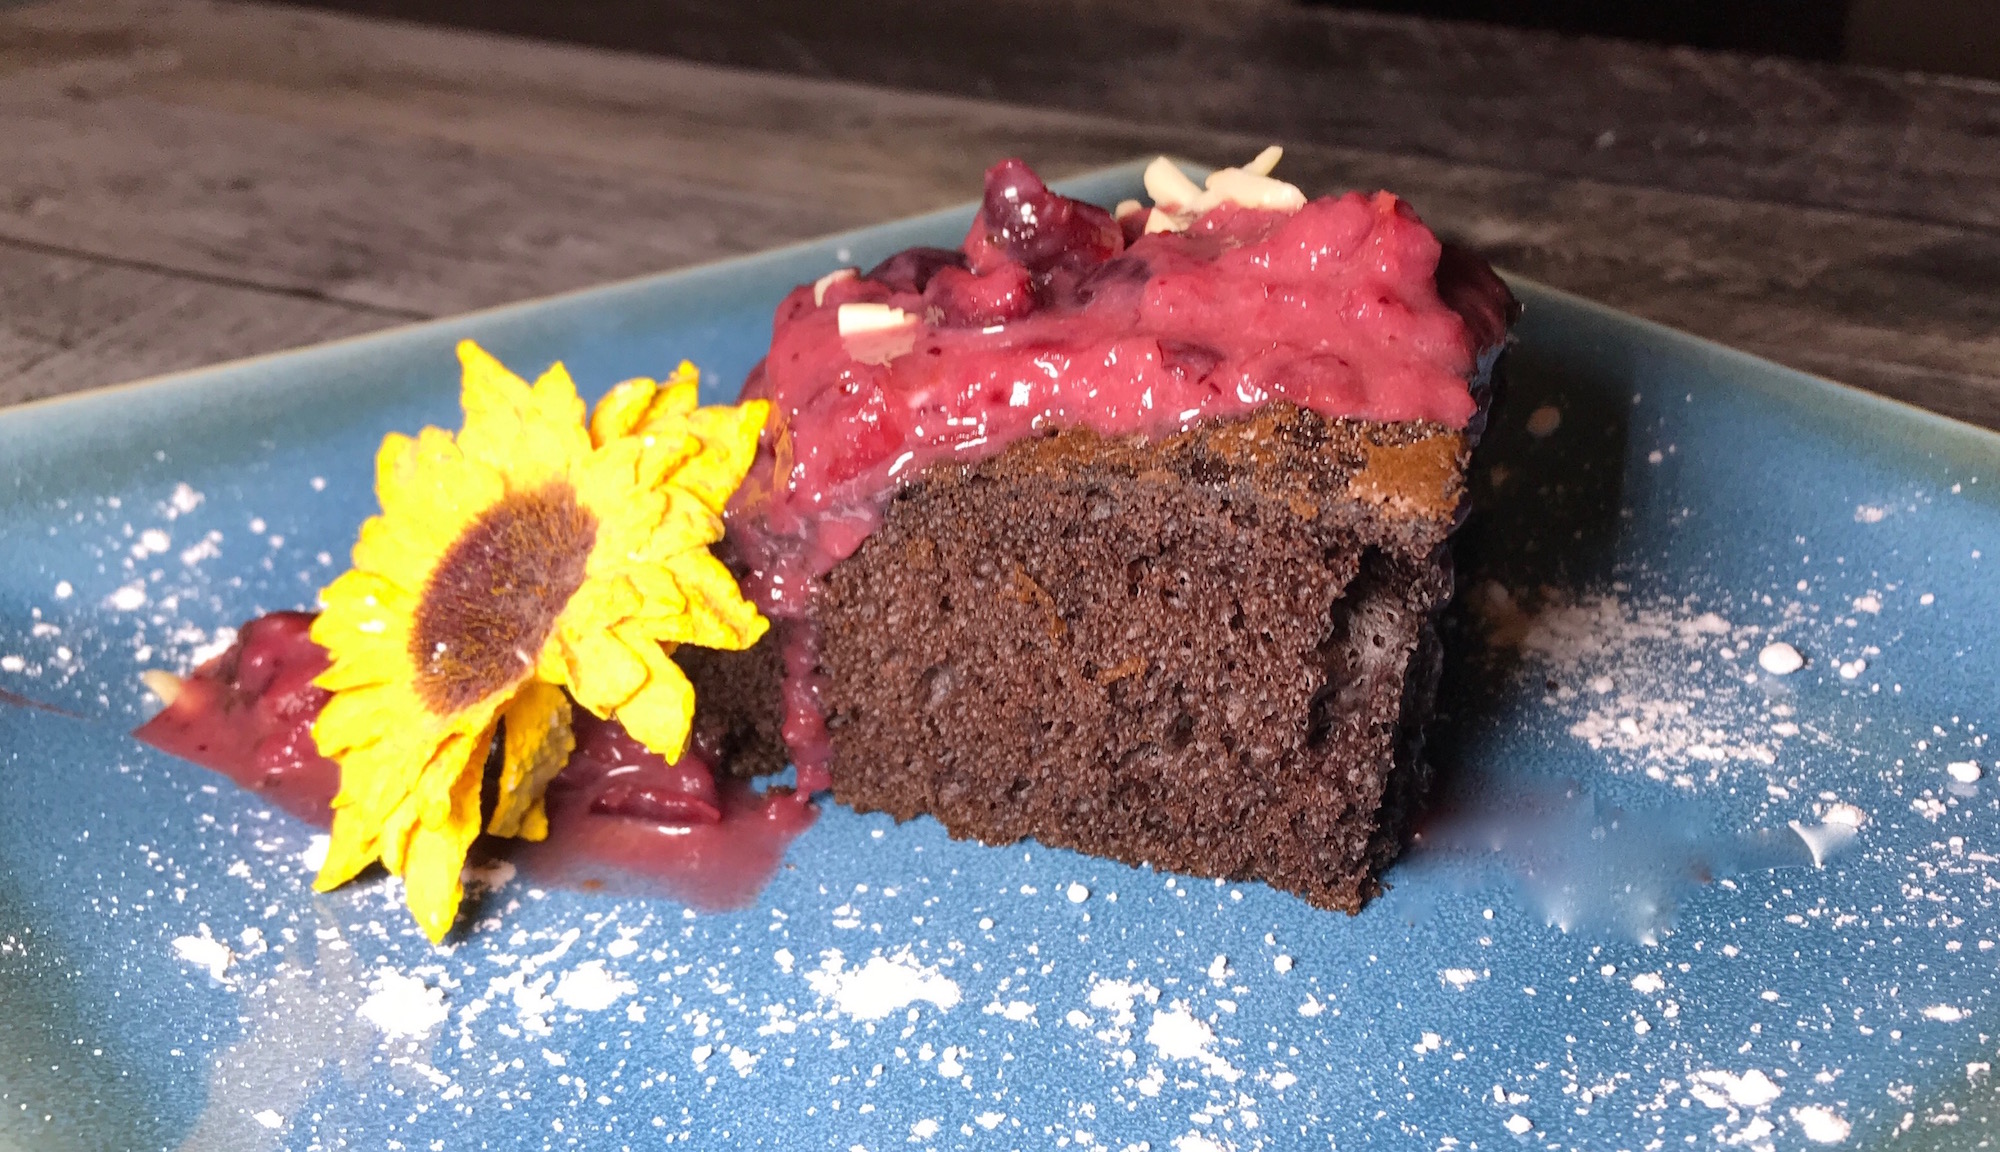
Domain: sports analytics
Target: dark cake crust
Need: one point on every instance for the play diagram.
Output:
(1212, 652)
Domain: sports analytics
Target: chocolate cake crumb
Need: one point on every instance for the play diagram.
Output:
(738, 723)
(1212, 652)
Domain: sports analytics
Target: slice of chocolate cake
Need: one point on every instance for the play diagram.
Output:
(1127, 534)
(1211, 652)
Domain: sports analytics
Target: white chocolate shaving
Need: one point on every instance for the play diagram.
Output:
(1158, 221)
(1126, 208)
(829, 280)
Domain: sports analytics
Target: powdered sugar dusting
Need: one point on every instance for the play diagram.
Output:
(589, 987)
(881, 985)
(1723, 1089)
(1632, 675)
(205, 951)
(1821, 1125)
(183, 500)
(1459, 977)
(402, 1005)
(1175, 1034)
(128, 598)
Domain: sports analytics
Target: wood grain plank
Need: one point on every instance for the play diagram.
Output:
(1875, 141)
(393, 222)
(417, 171)
(798, 141)
(68, 324)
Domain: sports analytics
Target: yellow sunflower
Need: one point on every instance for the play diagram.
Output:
(531, 561)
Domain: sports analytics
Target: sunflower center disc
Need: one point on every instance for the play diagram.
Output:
(492, 600)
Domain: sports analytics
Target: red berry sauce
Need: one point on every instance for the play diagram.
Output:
(620, 817)
(249, 712)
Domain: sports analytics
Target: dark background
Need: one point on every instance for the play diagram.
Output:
(1950, 36)
(1813, 29)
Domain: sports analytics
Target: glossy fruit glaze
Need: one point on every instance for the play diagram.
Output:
(620, 816)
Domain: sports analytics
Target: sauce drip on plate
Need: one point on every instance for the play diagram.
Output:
(620, 817)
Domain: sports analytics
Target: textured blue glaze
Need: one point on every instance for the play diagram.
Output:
(1702, 945)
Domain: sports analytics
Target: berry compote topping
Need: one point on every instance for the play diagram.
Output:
(1055, 240)
(1056, 315)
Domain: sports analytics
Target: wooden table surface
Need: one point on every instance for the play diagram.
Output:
(184, 182)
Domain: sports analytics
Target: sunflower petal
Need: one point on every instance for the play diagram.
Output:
(359, 717)
(678, 395)
(361, 667)
(556, 415)
(604, 601)
(621, 410)
(437, 486)
(495, 402)
(659, 590)
(661, 713)
(439, 782)
(686, 523)
(486, 383)
(386, 549)
(376, 778)
(608, 475)
(399, 824)
(351, 849)
(538, 742)
(729, 445)
(393, 460)
(435, 859)
(363, 587)
(715, 614)
(665, 452)
(602, 671)
(365, 630)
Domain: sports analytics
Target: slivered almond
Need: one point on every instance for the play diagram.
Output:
(865, 319)
(1170, 187)
(1251, 190)
(163, 684)
(1265, 161)
(829, 280)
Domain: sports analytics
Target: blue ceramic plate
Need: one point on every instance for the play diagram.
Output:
(1672, 900)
